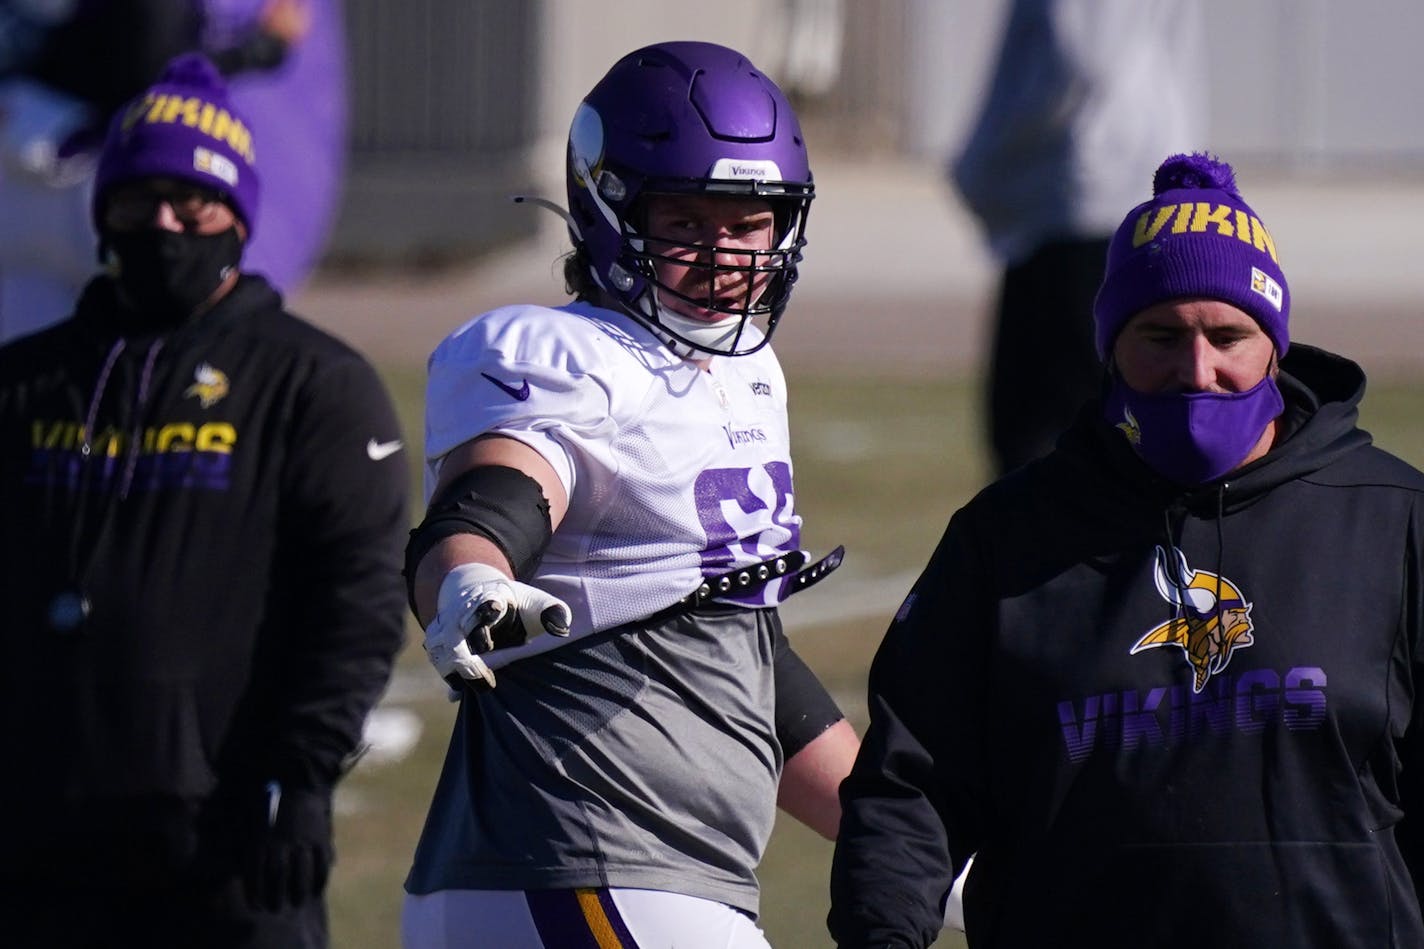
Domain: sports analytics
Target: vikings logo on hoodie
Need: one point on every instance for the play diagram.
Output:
(210, 386)
(1212, 619)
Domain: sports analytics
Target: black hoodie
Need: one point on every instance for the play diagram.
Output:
(237, 529)
(1159, 717)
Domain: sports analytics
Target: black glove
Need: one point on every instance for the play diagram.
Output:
(288, 856)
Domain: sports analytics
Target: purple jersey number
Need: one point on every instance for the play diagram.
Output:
(748, 516)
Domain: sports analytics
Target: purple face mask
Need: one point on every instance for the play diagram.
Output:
(1192, 437)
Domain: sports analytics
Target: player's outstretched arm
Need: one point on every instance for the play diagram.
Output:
(492, 512)
(460, 548)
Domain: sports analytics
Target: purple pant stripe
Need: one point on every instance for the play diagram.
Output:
(563, 924)
(615, 919)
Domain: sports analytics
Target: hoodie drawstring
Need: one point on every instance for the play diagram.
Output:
(145, 379)
(1220, 551)
(1176, 581)
(1175, 611)
(71, 606)
(86, 447)
(131, 451)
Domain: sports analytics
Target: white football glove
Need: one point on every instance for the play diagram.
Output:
(479, 609)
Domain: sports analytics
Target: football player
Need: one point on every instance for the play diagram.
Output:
(611, 527)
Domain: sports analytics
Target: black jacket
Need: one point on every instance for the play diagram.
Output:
(1230, 771)
(236, 529)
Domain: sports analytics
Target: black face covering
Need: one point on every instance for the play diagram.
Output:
(166, 275)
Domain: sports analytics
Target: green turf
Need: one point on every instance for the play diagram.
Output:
(880, 465)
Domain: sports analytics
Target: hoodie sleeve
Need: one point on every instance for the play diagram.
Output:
(910, 806)
(344, 520)
(1410, 831)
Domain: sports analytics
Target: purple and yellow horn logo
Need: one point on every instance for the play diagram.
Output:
(1212, 620)
(210, 386)
(1129, 427)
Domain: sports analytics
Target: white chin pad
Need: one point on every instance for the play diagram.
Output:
(718, 335)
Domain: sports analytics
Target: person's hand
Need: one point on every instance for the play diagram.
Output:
(479, 609)
(288, 854)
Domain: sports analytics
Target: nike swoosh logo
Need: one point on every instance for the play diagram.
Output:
(377, 451)
(520, 394)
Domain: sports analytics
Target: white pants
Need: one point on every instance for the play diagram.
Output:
(573, 919)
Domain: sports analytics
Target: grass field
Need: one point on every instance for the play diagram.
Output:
(880, 465)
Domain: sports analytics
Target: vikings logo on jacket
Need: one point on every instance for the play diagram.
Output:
(210, 386)
(1212, 619)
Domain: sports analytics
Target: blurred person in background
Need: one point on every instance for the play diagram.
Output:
(611, 528)
(1086, 98)
(1163, 682)
(66, 66)
(299, 109)
(202, 507)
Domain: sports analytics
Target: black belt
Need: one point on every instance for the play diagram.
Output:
(758, 574)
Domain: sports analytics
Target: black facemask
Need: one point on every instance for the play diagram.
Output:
(166, 275)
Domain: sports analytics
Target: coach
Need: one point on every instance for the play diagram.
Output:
(201, 515)
(1163, 682)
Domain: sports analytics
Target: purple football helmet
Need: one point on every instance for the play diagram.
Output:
(687, 118)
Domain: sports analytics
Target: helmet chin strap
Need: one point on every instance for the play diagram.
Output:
(717, 336)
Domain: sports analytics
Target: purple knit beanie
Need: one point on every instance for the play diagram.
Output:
(1195, 238)
(182, 127)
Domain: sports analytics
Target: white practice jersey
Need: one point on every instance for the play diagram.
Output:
(673, 473)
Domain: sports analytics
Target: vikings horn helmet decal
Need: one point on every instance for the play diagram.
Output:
(687, 118)
(1213, 618)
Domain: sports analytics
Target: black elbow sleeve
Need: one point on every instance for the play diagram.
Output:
(804, 709)
(502, 504)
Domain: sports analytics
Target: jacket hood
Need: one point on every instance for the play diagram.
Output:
(1319, 426)
(100, 311)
